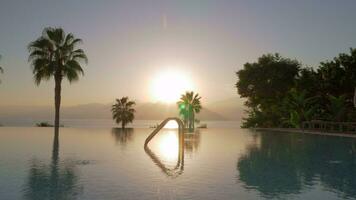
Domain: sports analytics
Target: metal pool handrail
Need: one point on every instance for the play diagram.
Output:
(163, 123)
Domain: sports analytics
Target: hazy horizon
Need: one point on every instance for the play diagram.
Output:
(225, 110)
(130, 43)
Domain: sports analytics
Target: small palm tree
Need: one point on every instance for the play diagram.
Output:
(337, 108)
(300, 107)
(123, 111)
(55, 54)
(188, 105)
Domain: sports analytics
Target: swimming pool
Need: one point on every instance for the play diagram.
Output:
(218, 163)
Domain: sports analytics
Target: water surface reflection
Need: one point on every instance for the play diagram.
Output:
(122, 136)
(57, 180)
(192, 141)
(169, 156)
(283, 164)
(91, 163)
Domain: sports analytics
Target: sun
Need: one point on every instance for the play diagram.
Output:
(167, 86)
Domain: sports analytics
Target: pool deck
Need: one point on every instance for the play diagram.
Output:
(293, 130)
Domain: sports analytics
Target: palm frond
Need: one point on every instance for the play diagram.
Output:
(69, 39)
(71, 75)
(54, 53)
(41, 43)
(79, 56)
(74, 66)
(76, 42)
(41, 75)
(55, 34)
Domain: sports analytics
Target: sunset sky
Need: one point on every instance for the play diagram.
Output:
(131, 44)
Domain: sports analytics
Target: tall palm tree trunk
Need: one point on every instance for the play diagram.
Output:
(57, 102)
(193, 121)
(355, 98)
(191, 118)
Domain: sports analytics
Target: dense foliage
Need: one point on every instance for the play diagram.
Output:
(282, 93)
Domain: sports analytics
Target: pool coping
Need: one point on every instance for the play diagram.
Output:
(292, 130)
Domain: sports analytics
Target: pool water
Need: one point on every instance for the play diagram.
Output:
(217, 163)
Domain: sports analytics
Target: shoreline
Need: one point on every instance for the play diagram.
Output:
(291, 130)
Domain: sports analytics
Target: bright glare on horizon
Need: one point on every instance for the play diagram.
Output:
(168, 86)
(171, 125)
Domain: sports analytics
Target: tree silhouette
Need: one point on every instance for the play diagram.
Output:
(123, 111)
(55, 54)
(265, 83)
(269, 83)
(188, 105)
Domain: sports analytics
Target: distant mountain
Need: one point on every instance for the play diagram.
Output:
(230, 109)
(160, 111)
(87, 111)
(26, 112)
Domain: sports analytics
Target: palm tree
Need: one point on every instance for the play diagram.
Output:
(123, 111)
(55, 54)
(337, 108)
(299, 106)
(188, 105)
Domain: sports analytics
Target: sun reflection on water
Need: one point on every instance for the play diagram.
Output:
(168, 146)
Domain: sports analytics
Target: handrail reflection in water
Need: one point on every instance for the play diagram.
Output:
(175, 171)
(179, 167)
